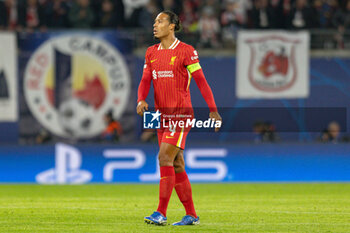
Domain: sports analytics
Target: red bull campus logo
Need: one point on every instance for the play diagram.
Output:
(70, 82)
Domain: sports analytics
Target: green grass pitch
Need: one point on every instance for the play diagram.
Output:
(273, 207)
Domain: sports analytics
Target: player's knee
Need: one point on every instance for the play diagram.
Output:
(167, 154)
(179, 163)
(179, 167)
(165, 160)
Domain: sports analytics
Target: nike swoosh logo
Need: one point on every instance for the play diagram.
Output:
(153, 60)
(168, 137)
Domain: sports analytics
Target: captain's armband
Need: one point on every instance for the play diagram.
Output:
(194, 67)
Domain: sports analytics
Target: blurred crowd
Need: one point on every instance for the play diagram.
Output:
(265, 131)
(333, 134)
(213, 19)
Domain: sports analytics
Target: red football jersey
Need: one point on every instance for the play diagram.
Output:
(171, 79)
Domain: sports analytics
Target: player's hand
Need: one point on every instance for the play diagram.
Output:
(215, 116)
(141, 107)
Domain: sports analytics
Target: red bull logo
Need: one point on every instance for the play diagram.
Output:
(273, 64)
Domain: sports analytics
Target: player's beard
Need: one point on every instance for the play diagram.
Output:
(156, 37)
(163, 35)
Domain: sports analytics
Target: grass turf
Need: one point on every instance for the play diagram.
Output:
(221, 207)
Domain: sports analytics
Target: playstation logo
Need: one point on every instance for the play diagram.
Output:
(151, 120)
(67, 169)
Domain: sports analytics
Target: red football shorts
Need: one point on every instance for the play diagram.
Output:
(175, 137)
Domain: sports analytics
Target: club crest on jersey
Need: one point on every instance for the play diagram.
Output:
(172, 60)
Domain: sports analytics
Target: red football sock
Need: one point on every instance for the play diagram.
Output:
(184, 192)
(166, 186)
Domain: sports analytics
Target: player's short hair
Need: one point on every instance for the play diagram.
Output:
(173, 18)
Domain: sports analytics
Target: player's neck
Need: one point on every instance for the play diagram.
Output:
(167, 41)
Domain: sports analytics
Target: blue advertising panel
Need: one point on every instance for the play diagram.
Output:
(296, 120)
(329, 89)
(67, 164)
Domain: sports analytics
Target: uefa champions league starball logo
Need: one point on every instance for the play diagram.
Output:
(70, 82)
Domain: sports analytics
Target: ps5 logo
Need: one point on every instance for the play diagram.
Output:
(67, 168)
(69, 159)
